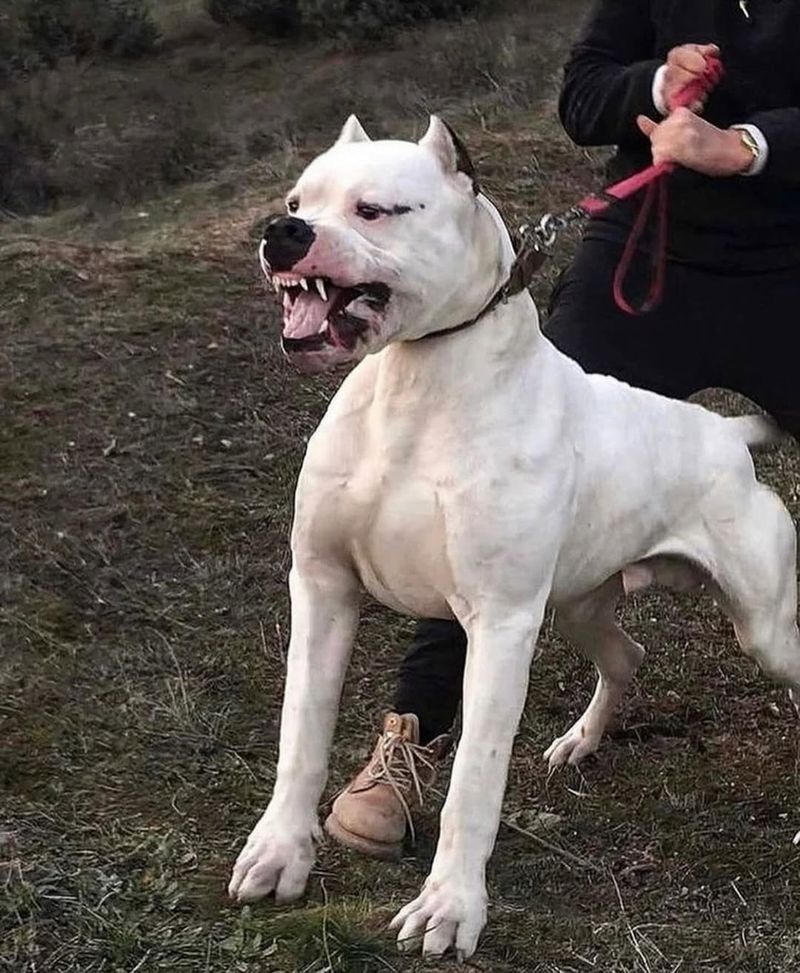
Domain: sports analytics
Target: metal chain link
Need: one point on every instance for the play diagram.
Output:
(550, 225)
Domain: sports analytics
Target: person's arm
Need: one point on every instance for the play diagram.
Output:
(696, 144)
(608, 79)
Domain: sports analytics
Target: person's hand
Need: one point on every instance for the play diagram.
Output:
(689, 140)
(684, 64)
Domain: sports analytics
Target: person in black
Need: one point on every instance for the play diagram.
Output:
(730, 314)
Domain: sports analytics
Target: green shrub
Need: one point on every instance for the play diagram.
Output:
(370, 18)
(277, 17)
(356, 19)
(30, 124)
(39, 32)
(126, 28)
(49, 155)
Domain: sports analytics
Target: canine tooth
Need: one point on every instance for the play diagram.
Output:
(276, 285)
(321, 288)
(262, 259)
(304, 283)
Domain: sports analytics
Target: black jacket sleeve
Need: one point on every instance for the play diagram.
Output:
(781, 128)
(608, 78)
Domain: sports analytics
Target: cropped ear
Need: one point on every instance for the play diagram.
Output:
(352, 131)
(448, 148)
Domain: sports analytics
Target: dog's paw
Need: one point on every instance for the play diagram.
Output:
(448, 914)
(274, 859)
(578, 742)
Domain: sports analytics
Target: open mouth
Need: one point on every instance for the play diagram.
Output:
(317, 312)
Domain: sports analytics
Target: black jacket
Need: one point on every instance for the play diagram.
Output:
(734, 224)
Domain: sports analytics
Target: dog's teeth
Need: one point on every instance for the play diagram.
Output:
(321, 288)
(276, 285)
(304, 283)
(262, 259)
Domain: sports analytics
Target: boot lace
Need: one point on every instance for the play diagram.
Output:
(399, 764)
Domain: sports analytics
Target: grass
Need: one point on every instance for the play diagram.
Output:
(148, 451)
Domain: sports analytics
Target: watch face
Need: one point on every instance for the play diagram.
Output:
(750, 142)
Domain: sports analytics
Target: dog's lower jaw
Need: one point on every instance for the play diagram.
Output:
(335, 347)
(318, 361)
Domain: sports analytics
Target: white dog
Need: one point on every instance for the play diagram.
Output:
(480, 475)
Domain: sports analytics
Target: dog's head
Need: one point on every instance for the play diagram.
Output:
(384, 241)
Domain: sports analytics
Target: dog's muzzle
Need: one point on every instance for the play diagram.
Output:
(287, 240)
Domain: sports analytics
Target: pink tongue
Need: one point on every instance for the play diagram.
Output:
(305, 316)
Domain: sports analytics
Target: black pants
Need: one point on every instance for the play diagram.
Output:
(732, 331)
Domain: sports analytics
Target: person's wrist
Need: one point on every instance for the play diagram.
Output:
(738, 156)
(754, 141)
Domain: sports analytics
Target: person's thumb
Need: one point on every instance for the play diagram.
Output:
(646, 125)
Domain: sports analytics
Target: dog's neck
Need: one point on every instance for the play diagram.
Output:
(506, 281)
(500, 338)
(506, 245)
(512, 270)
(459, 373)
(499, 239)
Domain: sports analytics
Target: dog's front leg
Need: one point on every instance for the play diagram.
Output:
(279, 853)
(451, 910)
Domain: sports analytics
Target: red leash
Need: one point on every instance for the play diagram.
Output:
(653, 180)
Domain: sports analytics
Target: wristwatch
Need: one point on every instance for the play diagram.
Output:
(750, 144)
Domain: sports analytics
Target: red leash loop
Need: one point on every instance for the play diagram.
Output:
(658, 260)
(653, 179)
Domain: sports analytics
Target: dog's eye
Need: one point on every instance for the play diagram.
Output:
(368, 211)
(293, 205)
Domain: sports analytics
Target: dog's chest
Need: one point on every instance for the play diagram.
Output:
(391, 528)
(422, 495)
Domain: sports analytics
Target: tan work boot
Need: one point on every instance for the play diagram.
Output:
(371, 814)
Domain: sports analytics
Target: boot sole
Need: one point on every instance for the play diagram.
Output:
(357, 842)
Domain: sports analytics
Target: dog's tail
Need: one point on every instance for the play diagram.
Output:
(757, 431)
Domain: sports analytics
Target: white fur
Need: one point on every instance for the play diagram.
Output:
(483, 476)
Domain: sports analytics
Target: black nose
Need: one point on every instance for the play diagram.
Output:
(286, 240)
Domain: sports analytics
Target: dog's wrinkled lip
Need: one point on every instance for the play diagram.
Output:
(317, 311)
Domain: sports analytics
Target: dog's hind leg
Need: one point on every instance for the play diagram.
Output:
(755, 573)
(591, 626)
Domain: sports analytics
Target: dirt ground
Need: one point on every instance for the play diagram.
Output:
(149, 442)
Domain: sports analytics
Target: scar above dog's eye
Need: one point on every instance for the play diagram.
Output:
(372, 211)
(293, 204)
